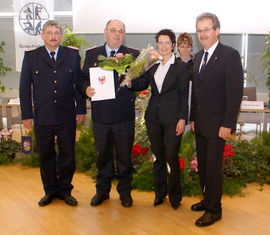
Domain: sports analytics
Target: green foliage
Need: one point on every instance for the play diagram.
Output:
(143, 179)
(187, 149)
(251, 161)
(71, 39)
(119, 64)
(3, 69)
(266, 60)
(9, 147)
(4, 159)
(85, 151)
(232, 186)
(190, 182)
(31, 160)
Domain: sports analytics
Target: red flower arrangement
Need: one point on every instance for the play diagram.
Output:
(181, 163)
(227, 156)
(137, 150)
(143, 92)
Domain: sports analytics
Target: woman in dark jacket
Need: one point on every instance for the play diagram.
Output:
(165, 116)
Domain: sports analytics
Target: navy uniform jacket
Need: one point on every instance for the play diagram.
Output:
(116, 110)
(217, 94)
(51, 88)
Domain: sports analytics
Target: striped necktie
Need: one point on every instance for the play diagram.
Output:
(204, 61)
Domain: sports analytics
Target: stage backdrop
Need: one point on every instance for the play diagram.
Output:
(149, 16)
(29, 17)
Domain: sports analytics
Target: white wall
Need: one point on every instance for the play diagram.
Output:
(149, 16)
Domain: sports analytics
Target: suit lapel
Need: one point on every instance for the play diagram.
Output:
(152, 75)
(169, 76)
(60, 56)
(45, 56)
(214, 58)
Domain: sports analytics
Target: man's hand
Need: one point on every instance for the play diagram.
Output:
(90, 91)
(180, 127)
(80, 118)
(192, 126)
(224, 132)
(28, 123)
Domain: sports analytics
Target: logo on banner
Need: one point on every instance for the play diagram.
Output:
(31, 18)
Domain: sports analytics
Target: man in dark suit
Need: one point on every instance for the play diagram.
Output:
(217, 89)
(48, 79)
(113, 121)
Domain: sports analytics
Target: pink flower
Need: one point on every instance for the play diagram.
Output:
(194, 164)
(119, 55)
(152, 158)
(154, 55)
(181, 163)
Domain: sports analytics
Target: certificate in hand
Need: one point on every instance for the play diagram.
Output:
(103, 83)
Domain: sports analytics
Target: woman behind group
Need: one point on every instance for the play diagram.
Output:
(165, 116)
(184, 45)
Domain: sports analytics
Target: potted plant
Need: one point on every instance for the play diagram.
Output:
(266, 62)
(72, 40)
(9, 148)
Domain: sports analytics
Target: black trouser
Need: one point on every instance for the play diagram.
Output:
(210, 156)
(165, 146)
(56, 174)
(114, 139)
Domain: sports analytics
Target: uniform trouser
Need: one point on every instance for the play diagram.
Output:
(114, 143)
(165, 146)
(56, 173)
(210, 156)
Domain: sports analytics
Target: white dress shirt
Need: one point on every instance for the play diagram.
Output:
(56, 53)
(161, 72)
(210, 53)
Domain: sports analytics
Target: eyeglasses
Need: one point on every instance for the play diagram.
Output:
(115, 31)
(206, 30)
(184, 46)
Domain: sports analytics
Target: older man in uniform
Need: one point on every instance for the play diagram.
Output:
(48, 82)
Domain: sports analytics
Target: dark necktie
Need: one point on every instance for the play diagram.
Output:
(112, 53)
(204, 61)
(52, 53)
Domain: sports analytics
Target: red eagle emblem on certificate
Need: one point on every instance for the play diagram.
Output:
(102, 79)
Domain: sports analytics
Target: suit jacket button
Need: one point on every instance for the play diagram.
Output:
(55, 81)
(54, 71)
(54, 91)
(36, 71)
(54, 101)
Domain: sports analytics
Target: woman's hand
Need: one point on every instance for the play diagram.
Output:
(180, 127)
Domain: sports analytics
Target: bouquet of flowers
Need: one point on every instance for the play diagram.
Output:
(129, 67)
(119, 63)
